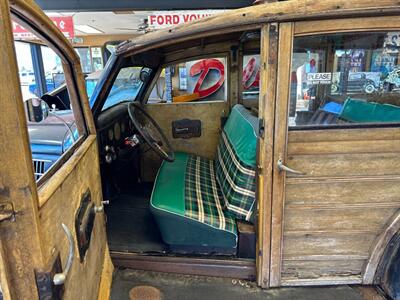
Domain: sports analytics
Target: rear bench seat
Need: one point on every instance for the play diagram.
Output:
(196, 201)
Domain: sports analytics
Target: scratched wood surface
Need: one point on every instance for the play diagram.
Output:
(335, 214)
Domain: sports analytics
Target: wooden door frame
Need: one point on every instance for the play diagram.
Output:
(287, 33)
(268, 80)
(279, 151)
(19, 239)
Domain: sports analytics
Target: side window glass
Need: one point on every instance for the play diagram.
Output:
(53, 69)
(97, 58)
(251, 77)
(127, 85)
(50, 117)
(189, 81)
(345, 79)
(84, 55)
(25, 68)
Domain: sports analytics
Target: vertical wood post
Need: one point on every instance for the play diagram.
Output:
(280, 144)
(269, 57)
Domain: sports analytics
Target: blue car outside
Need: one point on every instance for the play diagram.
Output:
(48, 145)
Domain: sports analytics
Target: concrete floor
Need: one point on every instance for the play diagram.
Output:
(184, 287)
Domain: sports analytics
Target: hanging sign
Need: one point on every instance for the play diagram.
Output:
(65, 24)
(165, 19)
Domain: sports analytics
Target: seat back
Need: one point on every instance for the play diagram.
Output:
(236, 162)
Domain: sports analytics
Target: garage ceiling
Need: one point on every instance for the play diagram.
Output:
(119, 22)
(115, 5)
(107, 22)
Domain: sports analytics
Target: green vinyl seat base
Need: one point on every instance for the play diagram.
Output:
(188, 236)
(180, 229)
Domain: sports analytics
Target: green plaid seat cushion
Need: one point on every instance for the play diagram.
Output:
(203, 196)
(235, 163)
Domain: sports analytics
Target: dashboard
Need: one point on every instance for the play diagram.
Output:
(115, 131)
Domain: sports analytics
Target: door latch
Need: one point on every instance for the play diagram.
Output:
(7, 212)
(283, 168)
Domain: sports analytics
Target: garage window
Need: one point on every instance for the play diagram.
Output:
(192, 81)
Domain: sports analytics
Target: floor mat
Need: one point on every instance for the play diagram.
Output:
(130, 225)
(185, 287)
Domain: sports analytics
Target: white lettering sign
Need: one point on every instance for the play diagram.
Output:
(319, 78)
(160, 20)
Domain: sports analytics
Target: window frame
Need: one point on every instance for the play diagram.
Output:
(185, 59)
(251, 51)
(75, 95)
(342, 26)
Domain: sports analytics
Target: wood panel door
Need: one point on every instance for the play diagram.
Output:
(40, 231)
(336, 173)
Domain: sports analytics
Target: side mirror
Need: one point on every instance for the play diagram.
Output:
(36, 110)
(144, 74)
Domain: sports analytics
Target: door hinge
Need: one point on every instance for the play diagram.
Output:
(7, 212)
(46, 288)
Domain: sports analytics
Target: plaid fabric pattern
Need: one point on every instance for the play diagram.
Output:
(203, 196)
(236, 180)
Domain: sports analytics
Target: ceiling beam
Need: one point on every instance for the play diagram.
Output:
(116, 5)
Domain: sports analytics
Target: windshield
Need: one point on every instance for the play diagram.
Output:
(125, 87)
(90, 85)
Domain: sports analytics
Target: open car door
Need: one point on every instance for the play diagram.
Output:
(52, 234)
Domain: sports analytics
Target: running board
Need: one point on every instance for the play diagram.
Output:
(229, 268)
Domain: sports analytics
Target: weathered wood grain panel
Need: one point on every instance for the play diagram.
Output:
(334, 214)
(327, 244)
(336, 135)
(352, 24)
(321, 268)
(60, 204)
(346, 165)
(336, 221)
(351, 193)
(344, 147)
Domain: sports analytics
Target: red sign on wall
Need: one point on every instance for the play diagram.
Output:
(203, 67)
(65, 24)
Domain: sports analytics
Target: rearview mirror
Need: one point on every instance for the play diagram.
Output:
(36, 110)
(144, 74)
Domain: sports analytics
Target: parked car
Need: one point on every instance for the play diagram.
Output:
(197, 182)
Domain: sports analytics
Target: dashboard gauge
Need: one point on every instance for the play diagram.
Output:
(117, 131)
(110, 134)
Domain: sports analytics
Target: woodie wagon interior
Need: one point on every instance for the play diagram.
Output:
(176, 150)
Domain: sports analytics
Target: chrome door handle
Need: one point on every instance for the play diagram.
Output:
(100, 208)
(60, 278)
(282, 167)
(181, 129)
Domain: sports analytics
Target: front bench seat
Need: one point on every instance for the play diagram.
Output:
(196, 201)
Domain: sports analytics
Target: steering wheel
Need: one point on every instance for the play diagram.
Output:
(151, 132)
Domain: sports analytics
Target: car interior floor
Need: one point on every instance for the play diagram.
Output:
(130, 225)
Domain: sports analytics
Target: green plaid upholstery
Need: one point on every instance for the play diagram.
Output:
(203, 196)
(236, 180)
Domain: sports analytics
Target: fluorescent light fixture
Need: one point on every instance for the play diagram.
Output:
(87, 29)
(123, 12)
